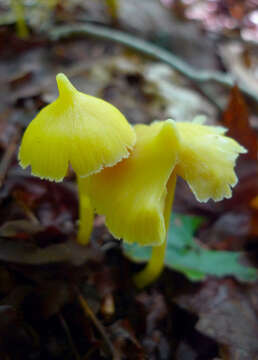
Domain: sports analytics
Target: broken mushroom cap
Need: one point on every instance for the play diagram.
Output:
(87, 132)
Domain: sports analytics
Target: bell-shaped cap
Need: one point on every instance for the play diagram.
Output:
(132, 194)
(207, 159)
(79, 129)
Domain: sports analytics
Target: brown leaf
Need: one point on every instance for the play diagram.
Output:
(125, 341)
(7, 128)
(23, 253)
(185, 352)
(241, 61)
(152, 317)
(22, 229)
(235, 118)
(155, 309)
(105, 279)
(16, 338)
(50, 297)
(254, 223)
(227, 313)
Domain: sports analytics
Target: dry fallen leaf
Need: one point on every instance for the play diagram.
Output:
(228, 313)
(241, 62)
(23, 253)
(235, 118)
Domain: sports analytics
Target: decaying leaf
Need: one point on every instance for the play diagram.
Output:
(19, 229)
(153, 312)
(41, 263)
(228, 313)
(241, 62)
(22, 253)
(125, 341)
(235, 118)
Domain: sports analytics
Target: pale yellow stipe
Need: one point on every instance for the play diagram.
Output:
(156, 263)
(76, 128)
(18, 9)
(86, 213)
(132, 194)
(206, 160)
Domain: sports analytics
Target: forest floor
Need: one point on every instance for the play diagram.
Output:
(61, 300)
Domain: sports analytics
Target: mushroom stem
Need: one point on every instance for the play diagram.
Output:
(156, 263)
(86, 213)
(18, 9)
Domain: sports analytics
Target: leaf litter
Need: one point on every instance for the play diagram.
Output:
(42, 268)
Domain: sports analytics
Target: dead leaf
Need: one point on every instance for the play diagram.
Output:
(185, 352)
(242, 63)
(235, 118)
(154, 308)
(23, 253)
(125, 341)
(16, 338)
(19, 229)
(153, 315)
(50, 296)
(169, 91)
(227, 313)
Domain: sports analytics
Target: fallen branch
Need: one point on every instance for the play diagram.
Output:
(151, 50)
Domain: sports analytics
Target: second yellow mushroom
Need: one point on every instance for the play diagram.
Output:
(136, 195)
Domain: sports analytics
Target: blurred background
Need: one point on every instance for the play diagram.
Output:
(204, 60)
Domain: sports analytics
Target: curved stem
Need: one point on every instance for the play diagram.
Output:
(156, 263)
(154, 51)
(86, 213)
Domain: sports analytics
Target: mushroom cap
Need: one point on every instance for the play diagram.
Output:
(132, 194)
(87, 132)
(206, 160)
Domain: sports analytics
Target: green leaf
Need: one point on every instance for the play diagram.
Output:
(183, 254)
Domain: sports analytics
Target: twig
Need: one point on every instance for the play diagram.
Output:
(88, 312)
(151, 50)
(69, 337)
(8, 156)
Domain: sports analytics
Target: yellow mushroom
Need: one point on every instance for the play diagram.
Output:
(77, 129)
(207, 160)
(137, 194)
